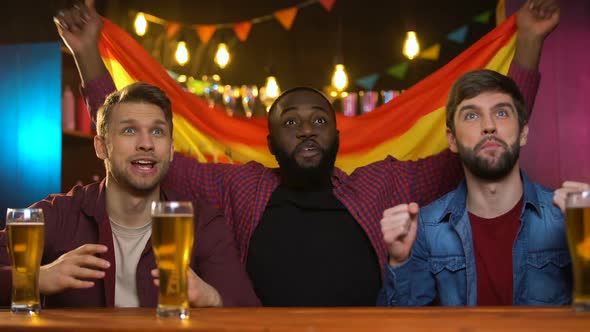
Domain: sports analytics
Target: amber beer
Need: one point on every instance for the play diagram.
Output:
(578, 234)
(172, 241)
(26, 234)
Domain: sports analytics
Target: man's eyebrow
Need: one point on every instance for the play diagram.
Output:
(470, 107)
(504, 104)
(130, 121)
(467, 107)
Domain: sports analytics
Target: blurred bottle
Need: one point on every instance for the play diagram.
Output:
(68, 109)
(83, 122)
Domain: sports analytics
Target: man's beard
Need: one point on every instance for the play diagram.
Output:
(484, 169)
(307, 177)
(133, 185)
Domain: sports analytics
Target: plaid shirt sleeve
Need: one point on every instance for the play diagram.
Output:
(191, 179)
(432, 177)
(96, 91)
(528, 83)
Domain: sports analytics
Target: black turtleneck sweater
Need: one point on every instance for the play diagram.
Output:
(308, 250)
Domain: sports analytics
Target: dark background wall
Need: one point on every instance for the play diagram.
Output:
(371, 39)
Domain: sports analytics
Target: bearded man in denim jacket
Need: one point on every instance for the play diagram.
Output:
(497, 239)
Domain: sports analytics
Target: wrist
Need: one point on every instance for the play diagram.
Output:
(528, 51)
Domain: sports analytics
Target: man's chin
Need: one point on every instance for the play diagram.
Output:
(308, 165)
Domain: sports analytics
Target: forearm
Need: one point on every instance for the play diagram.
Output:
(528, 51)
(96, 90)
(527, 81)
(90, 64)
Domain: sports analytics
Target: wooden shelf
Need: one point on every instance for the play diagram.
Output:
(76, 133)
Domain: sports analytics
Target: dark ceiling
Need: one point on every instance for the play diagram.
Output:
(371, 38)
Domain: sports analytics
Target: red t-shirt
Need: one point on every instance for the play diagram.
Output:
(493, 240)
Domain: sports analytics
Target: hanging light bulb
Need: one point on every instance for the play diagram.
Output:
(411, 45)
(181, 53)
(269, 92)
(339, 79)
(140, 24)
(222, 55)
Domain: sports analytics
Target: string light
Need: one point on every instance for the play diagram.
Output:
(140, 24)
(181, 53)
(411, 45)
(222, 56)
(339, 79)
(270, 92)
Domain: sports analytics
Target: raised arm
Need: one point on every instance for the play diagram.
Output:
(80, 27)
(536, 19)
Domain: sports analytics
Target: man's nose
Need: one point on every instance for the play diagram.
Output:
(146, 142)
(306, 130)
(488, 125)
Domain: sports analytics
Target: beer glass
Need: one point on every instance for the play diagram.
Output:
(26, 234)
(577, 215)
(172, 241)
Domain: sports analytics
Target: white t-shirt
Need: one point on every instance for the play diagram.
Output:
(129, 244)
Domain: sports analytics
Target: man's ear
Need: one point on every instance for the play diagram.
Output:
(100, 147)
(524, 135)
(452, 140)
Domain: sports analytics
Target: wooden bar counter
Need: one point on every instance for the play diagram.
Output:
(305, 319)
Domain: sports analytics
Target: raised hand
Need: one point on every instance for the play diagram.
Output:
(399, 225)
(79, 27)
(200, 293)
(73, 269)
(538, 18)
(535, 20)
(568, 187)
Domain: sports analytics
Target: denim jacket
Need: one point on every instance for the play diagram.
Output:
(441, 268)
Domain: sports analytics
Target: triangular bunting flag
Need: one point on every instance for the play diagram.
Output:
(368, 82)
(205, 32)
(172, 74)
(483, 18)
(172, 29)
(399, 70)
(327, 4)
(242, 30)
(430, 53)
(459, 35)
(286, 16)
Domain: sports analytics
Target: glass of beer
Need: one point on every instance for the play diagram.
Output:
(577, 216)
(26, 235)
(172, 241)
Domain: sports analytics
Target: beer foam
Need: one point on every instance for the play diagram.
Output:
(172, 215)
(20, 223)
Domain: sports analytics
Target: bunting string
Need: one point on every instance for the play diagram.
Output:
(285, 16)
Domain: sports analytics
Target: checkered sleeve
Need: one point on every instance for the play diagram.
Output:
(96, 91)
(190, 179)
(528, 83)
(432, 177)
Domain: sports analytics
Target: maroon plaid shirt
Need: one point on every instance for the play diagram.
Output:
(243, 191)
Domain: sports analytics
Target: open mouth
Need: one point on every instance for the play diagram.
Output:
(308, 149)
(143, 164)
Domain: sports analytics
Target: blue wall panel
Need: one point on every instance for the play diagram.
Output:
(30, 117)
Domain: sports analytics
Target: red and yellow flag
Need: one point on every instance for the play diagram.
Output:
(409, 127)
